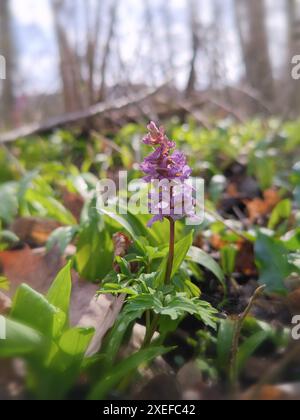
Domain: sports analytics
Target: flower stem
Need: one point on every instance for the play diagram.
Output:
(150, 331)
(151, 327)
(171, 252)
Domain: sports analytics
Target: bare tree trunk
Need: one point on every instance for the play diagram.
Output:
(107, 49)
(93, 25)
(251, 24)
(167, 20)
(293, 12)
(70, 75)
(216, 46)
(195, 36)
(6, 49)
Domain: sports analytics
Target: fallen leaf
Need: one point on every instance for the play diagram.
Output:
(294, 302)
(245, 260)
(217, 242)
(34, 231)
(33, 267)
(73, 202)
(232, 190)
(258, 207)
(88, 311)
(285, 392)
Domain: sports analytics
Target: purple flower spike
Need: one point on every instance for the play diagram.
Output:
(165, 164)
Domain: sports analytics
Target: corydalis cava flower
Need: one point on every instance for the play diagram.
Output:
(166, 169)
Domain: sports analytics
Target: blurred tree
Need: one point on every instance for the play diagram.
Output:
(7, 50)
(113, 14)
(195, 37)
(251, 25)
(166, 12)
(293, 11)
(92, 28)
(69, 68)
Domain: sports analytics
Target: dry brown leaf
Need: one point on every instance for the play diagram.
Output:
(245, 260)
(258, 208)
(217, 242)
(33, 230)
(73, 202)
(294, 302)
(89, 311)
(232, 190)
(34, 267)
(286, 392)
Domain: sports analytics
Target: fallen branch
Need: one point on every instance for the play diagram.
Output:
(74, 117)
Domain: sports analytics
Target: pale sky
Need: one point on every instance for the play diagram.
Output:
(38, 59)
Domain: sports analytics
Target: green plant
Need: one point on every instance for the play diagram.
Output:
(161, 289)
(38, 330)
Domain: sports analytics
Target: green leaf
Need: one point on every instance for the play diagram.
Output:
(4, 283)
(120, 371)
(25, 184)
(124, 266)
(62, 237)
(116, 289)
(228, 258)
(74, 343)
(63, 367)
(8, 236)
(33, 309)
(181, 250)
(249, 347)
(133, 226)
(161, 231)
(21, 340)
(116, 335)
(94, 255)
(174, 306)
(59, 294)
(224, 344)
(282, 211)
(8, 202)
(52, 207)
(184, 284)
(273, 264)
(291, 240)
(202, 258)
(264, 170)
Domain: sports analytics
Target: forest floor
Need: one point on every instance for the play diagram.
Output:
(249, 269)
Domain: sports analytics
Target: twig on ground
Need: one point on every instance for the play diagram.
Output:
(74, 117)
